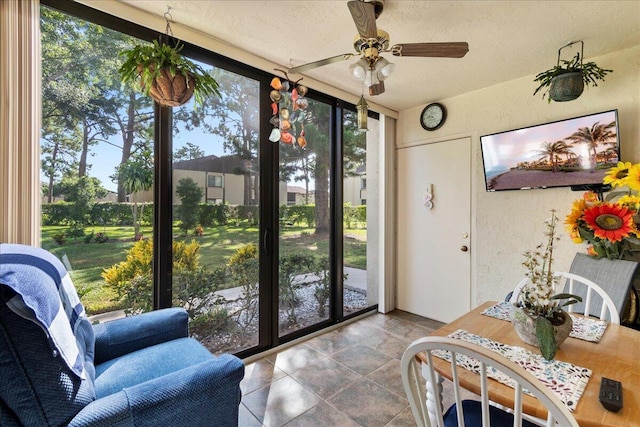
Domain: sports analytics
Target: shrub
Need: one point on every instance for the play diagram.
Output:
(292, 266)
(131, 278)
(59, 238)
(88, 237)
(190, 195)
(323, 288)
(244, 269)
(101, 238)
(210, 322)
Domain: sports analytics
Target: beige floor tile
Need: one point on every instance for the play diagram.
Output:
(259, 374)
(326, 377)
(322, 415)
(361, 358)
(388, 376)
(330, 343)
(387, 344)
(295, 358)
(368, 404)
(280, 402)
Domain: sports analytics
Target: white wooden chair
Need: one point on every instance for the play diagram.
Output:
(418, 386)
(592, 297)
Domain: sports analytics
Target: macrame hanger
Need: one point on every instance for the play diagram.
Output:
(168, 33)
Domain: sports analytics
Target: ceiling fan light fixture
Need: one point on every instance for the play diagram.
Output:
(384, 68)
(359, 69)
(371, 77)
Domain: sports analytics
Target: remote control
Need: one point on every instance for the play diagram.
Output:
(611, 394)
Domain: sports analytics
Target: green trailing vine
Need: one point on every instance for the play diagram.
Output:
(146, 62)
(591, 73)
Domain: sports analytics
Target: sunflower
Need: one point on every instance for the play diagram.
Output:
(633, 179)
(617, 175)
(610, 221)
(630, 200)
(571, 221)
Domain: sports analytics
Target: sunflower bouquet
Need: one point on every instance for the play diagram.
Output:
(609, 226)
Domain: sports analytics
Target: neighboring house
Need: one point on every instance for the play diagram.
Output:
(298, 196)
(221, 178)
(354, 189)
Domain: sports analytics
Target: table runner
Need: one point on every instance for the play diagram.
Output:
(584, 328)
(565, 380)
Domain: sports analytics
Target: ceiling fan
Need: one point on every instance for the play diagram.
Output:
(371, 42)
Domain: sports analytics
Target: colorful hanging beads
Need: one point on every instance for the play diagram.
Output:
(287, 110)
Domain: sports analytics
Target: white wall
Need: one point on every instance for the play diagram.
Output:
(508, 223)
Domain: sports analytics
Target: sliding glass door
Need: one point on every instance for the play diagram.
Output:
(193, 206)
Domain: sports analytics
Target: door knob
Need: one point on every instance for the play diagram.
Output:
(464, 248)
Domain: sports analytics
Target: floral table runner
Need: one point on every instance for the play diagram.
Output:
(584, 328)
(564, 379)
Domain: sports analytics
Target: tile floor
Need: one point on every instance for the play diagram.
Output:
(347, 377)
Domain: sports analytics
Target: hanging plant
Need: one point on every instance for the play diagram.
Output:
(165, 75)
(288, 105)
(566, 81)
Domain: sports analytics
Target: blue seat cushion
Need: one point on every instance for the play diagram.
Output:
(472, 410)
(148, 363)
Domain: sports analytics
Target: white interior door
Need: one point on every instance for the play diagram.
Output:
(434, 262)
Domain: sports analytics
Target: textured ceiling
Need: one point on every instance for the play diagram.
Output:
(507, 39)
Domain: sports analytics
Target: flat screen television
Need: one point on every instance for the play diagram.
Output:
(574, 152)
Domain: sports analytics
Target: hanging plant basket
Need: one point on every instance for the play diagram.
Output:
(567, 80)
(170, 90)
(566, 87)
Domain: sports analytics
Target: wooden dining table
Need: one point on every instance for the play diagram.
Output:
(616, 356)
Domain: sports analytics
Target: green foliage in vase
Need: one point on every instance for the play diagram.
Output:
(538, 298)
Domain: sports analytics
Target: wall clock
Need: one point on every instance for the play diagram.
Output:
(433, 116)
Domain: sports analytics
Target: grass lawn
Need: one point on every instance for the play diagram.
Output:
(87, 260)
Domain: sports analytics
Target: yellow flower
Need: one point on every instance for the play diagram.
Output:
(617, 175)
(633, 179)
(571, 221)
(630, 200)
(590, 196)
(575, 236)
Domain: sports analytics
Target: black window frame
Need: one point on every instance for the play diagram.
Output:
(269, 154)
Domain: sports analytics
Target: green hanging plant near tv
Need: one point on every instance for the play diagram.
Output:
(566, 81)
(165, 75)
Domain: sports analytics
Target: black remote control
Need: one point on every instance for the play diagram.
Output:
(611, 394)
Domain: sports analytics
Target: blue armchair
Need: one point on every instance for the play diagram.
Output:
(142, 370)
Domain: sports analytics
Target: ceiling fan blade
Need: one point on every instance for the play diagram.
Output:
(441, 50)
(364, 17)
(320, 63)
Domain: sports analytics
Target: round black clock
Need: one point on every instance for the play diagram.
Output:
(433, 116)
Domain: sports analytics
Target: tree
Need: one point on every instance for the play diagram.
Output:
(234, 117)
(190, 195)
(552, 150)
(83, 103)
(136, 176)
(83, 193)
(592, 137)
(313, 161)
(189, 152)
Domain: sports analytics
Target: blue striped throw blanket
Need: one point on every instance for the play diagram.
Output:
(46, 296)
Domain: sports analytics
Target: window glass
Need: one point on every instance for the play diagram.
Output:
(96, 166)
